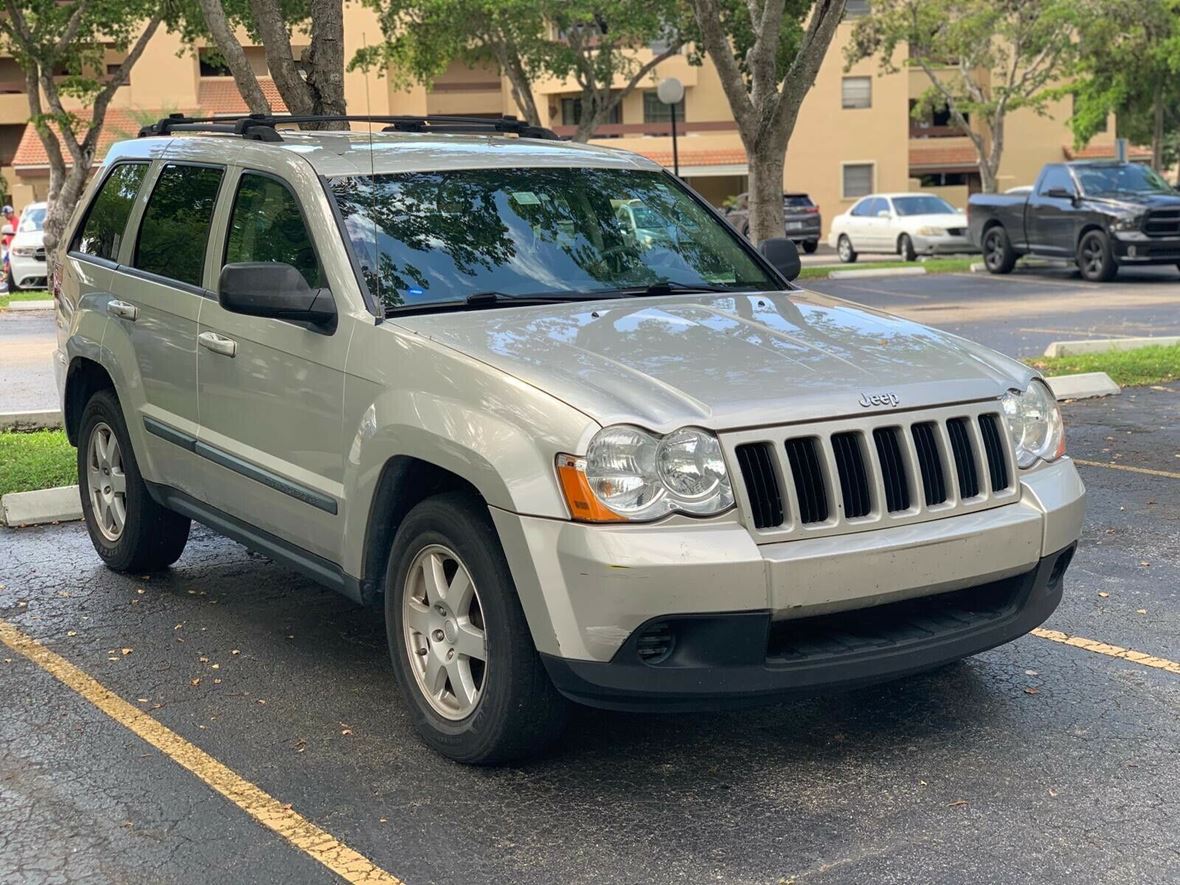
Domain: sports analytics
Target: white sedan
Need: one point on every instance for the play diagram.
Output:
(903, 224)
(26, 253)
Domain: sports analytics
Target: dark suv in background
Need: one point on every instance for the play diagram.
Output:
(801, 219)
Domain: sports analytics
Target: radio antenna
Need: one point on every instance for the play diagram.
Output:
(376, 272)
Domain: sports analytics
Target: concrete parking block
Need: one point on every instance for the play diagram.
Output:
(877, 272)
(1083, 385)
(1102, 345)
(61, 504)
(48, 419)
(31, 305)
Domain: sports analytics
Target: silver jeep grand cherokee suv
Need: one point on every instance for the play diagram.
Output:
(431, 368)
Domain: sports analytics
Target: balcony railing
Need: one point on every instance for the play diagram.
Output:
(917, 130)
(657, 129)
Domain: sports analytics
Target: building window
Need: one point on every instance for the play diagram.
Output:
(856, 9)
(571, 112)
(212, 64)
(655, 111)
(856, 92)
(858, 180)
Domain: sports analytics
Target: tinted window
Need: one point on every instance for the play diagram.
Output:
(861, 209)
(1125, 178)
(266, 225)
(797, 201)
(434, 237)
(174, 232)
(1057, 176)
(922, 206)
(876, 206)
(106, 220)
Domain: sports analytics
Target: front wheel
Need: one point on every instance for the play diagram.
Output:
(998, 254)
(129, 530)
(809, 246)
(461, 648)
(1095, 258)
(905, 247)
(10, 282)
(844, 249)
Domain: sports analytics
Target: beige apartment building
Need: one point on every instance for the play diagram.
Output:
(855, 132)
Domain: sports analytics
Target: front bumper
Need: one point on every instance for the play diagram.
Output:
(27, 271)
(946, 245)
(589, 592)
(802, 232)
(1137, 248)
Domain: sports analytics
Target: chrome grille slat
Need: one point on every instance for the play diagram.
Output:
(858, 474)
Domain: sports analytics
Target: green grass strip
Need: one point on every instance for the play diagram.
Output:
(41, 459)
(1155, 364)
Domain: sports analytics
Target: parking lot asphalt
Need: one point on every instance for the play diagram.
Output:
(1034, 762)
(27, 342)
(1022, 312)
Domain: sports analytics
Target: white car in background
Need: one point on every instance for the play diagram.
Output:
(904, 224)
(26, 253)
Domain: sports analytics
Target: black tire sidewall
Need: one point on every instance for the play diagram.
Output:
(844, 238)
(455, 521)
(905, 246)
(1108, 263)
(809, 246)
(1007, 258)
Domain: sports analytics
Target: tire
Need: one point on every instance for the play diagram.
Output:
(510, 708)
(905, 248)
(998, 255)
(844, 249)
(809, 246)
(150, 537)
(10, 282)
(1095, 258)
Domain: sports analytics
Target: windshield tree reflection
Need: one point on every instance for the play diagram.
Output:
(436, 237)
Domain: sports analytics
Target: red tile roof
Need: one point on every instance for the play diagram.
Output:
(219, 95)
(1104, 152)
(956, 157)
(716, 157)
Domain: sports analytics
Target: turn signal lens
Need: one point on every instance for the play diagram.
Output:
(583, 504)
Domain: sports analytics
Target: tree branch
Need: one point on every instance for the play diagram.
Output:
(719, 49)
(276, 42)
(231, 50)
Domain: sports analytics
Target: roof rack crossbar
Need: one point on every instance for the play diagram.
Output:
(264, 127)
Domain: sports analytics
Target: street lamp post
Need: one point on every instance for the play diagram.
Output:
(671, 92)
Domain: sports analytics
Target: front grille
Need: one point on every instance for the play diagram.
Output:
(956, 231)
(859, 474)
(811, 486)
(1162, 223)
(756, 461)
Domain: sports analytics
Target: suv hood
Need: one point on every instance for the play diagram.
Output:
(724, 361)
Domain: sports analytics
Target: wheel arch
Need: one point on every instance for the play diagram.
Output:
(1086, 228)
(84, 378)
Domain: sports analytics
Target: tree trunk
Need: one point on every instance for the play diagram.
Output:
(61, 206)
(518, 80)
(235, 57)
(325, 59)
(1157, 129)
(767, 162)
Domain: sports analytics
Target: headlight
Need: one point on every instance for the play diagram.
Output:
(1034, 422)
(1127, 222)
(25, 251)
(931, 231)
(631, 474)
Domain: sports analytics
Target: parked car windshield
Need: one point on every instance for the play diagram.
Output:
(426, 238)
(922, 206)
(1129, 178)
(32, 219)
(797, 201)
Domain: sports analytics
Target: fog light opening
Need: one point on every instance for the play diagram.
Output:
(655, 643)
(1060, 566)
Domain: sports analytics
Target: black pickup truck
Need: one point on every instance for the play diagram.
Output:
(1099, 214)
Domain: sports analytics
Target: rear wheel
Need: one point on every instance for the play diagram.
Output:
(998, 254)
(809, 246)
(905, 248)
(129, 530)
(1095, 258)
(462, 652)
(10, 282)
(844, 249)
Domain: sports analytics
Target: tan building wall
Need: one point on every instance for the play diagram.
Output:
(828, 137)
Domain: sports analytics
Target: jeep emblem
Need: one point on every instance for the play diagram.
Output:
(879, 399)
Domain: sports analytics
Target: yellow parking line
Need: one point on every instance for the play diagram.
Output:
(1114, 651)
(317, 844)
(1167, 474)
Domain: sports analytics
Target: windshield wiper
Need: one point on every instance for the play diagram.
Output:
(490, 299)
(671, 287)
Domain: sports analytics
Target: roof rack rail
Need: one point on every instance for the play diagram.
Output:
(264, 127)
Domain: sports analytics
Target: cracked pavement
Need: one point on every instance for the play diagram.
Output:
(1034, 762)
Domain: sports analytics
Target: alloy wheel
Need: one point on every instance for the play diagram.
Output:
(443, 632)
(995, 250)
(1092, 256)
(106, 481)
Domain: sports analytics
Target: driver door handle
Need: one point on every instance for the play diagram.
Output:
(123, 309)
(218, 343)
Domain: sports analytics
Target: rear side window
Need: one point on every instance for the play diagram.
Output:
(106, 220)
(174, 232)
(266, 225)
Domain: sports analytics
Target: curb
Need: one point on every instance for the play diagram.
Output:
(1103, 345)
(31, 305)
(1083, 386)
(880, 272)
(978, 267)
(49, 419)
(61, 504)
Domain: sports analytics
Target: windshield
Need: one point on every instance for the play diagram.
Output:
(1129, 178)
(33, 218)
(922, 206)
(426, 238)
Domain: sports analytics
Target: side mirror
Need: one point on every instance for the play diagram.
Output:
(782, 255)
(272, 289)
(884, 213)
(1060, 193)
